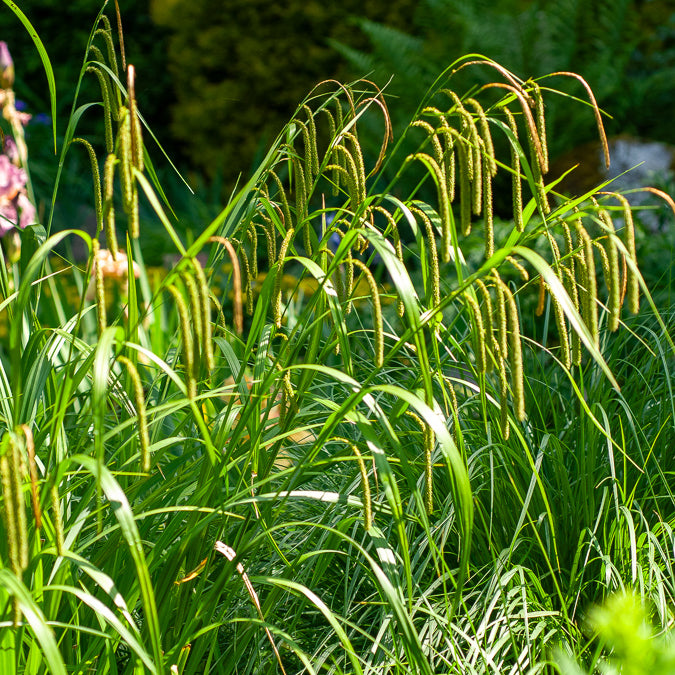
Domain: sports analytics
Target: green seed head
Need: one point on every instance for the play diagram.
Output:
(141, 416)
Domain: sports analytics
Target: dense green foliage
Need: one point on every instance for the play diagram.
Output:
(238, 69)
(349, 430)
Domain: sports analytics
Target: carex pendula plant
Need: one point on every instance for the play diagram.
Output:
(276, 452)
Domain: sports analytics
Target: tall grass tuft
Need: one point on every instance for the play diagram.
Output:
(390, 464)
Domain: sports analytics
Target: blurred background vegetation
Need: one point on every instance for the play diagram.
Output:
(218, 79)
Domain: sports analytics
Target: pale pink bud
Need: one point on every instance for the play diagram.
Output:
(6, 67)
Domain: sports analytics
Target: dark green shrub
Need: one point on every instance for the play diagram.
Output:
(239, 67)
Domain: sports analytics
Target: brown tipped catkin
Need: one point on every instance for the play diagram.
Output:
(270, 239)
(448, 161)
(378, 332)
(429, 439)
(124, 152)
(351, 162)
(276, 303)
(285, 209)
(365, 484)
(567, 233)
(205, 307)
(33, 473)
(141, 415)
(331, 123)
(252, 236)
(311, 127)
(488, 216)
(538, 161)
(400, 309)
(18, 465)
(349, 282)
(604, 259)
(58, 519)
(435, 142)
(540, 187)
(428, 443)
(590, 284)
(133, 214)
(107, 109)
(358, 157)
(106, 32)
(108, 206)
(631, 285)
(454, 408)
(248, 286)
(563, 336)
(542, 297)
(517, 188)
(238, 319)
(337, 278)
(486, 314)
(187, 337)
(479, 332)
(301, 198)
(503, 391)
(100, 287)
(477, 184)
(339, 123)
(582, 283)
(525, 102)
(98, 200)
(134, 121)
(516, 358)
(221, 324)
(284, 399)
(465, 194)
(614, 280)
(570, 282)
(631, 276)
(195, 305)
(98, 54)
(129, 187)
(433, 258)
(348, 165)
(456, 102)
(9, 513)
(332, 135)
(308, 164)
(515, 352)
(540, 121)
(444, 202)
(501, 314)
(485, 135)
(524, 275)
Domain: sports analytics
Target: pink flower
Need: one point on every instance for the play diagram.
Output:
(16, 209)
(6, 67)
(11, 150)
